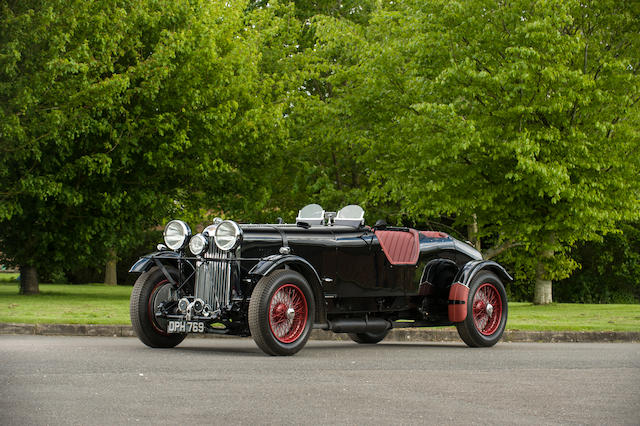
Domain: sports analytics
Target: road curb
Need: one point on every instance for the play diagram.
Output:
(396, 335)
(67, 329)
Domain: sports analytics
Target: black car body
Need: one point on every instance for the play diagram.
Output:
(329, 271)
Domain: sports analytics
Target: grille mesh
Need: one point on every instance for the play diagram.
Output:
(213, 279)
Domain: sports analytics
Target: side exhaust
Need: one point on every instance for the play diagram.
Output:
(350, 325)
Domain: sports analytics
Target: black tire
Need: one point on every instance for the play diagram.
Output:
(368, 338)
(149, 290)
(484, 325)
(275, 329)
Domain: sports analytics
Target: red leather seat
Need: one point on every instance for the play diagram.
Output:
(400, 247)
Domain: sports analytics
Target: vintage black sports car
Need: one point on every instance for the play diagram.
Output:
(277, 282)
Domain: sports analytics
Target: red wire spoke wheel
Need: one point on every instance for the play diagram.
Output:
(486, 311)
(281, 312)
(287, 313)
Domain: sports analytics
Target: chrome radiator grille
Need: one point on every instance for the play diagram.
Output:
(213, 279)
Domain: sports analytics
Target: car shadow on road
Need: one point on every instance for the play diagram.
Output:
(385, 345)
(240, 347)
(220, 349)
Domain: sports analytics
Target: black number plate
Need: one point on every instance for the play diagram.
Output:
(185, 327)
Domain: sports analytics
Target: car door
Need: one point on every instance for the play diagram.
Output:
(362, 269)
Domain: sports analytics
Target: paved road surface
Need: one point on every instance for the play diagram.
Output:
(98, 380)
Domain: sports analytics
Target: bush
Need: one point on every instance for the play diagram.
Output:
(610, 270)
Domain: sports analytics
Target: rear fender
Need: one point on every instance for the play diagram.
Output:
(471, 269)
(271, 263)
(459, 292)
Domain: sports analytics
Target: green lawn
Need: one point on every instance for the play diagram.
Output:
(574, 317)
(100, 304)
(66, 304)
(8, 277)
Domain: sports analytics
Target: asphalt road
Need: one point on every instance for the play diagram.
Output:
(98, 380)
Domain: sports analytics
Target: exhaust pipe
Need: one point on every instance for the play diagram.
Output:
(350, 325)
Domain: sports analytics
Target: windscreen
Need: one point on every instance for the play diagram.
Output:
(311, 211)
(351, 212)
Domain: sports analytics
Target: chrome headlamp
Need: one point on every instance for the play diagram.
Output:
(198, 244)
(228, 235)
(176, 234)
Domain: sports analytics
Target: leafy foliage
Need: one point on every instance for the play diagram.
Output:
(524, 115)
(521, 117)
(610, 269)
(114, 113)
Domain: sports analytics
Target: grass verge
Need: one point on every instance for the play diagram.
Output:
(8, 277)
(574, 317)
(100, 304)
(66, 304)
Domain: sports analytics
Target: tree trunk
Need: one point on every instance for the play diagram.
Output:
(472, 233)
(110, 273)
(542, 294)
(29, 280)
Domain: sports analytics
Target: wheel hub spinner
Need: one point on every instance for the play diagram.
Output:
(291, 314)
(489, 309)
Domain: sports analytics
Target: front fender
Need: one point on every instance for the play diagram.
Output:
(149, 261)
(279, 261)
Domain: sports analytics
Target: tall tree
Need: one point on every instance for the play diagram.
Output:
(113, 113)
(522, 115)
(318, 163)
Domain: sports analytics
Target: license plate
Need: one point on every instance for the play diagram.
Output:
(185, 327)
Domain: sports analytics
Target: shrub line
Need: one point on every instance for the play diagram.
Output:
(396, 335)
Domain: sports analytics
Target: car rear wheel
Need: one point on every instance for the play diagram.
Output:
(150, 290)
(368, 338)
(281, 312)
(486, 311)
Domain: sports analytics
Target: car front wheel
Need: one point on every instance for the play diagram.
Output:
(281, 312)
(486, 311)
(150, 290)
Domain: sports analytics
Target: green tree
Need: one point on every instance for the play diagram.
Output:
(520, 116)
(317, 164)
(354, 10)
(115, 114)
